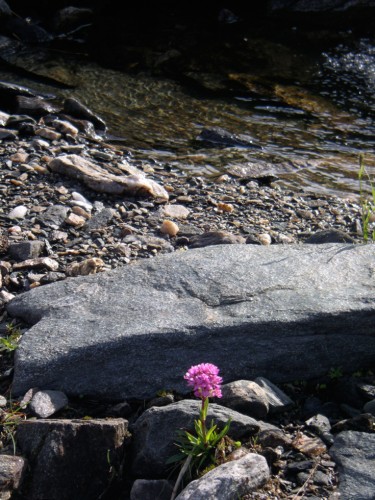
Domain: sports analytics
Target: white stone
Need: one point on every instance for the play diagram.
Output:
(18, 212)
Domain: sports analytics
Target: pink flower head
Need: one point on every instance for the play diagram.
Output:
(205, 380)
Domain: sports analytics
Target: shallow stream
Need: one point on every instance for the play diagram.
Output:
(313, 114)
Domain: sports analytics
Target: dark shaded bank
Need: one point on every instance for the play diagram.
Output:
(119, 34)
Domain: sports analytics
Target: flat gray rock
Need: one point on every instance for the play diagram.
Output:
(282, 312)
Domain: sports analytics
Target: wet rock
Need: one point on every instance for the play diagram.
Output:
(277, 399)
(150, 489)
(102, 181)
(261, 171)
(329, 236)
(216, 136)
(353, 453)
(155, 432)
(6, 134)
(246, 397)
(45, 403)
(26, 250)
(48, 133)
(230, 480)
(35, 106)
(215, 238)
(72, 458)
(78, 110)
(211, 298)
(16, 121)
(65, 127)
(12, 473)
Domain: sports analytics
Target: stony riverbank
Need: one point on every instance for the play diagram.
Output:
(56, 222)
(65, 220)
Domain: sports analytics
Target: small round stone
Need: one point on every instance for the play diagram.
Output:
(169, 227)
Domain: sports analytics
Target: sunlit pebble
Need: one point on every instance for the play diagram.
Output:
(14, 230)
(169, 227)
(18, 212)
(265, 239)
(225, 207)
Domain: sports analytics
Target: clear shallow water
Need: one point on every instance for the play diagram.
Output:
(312, 125)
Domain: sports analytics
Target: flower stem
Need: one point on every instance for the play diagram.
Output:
(203, 419)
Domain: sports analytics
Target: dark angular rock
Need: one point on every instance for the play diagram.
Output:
(35, 106)
(12, 472)
(16, 121)
(78, 110)
(100, 219)
(54, 216)
(370, 407)
(72, 459)
(216, 136)
(151, 489)
(26, 250)
(329, 236)
(277, 399)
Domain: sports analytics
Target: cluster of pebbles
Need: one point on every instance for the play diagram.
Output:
(53, 226)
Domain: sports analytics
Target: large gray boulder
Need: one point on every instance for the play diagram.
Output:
(283, 312)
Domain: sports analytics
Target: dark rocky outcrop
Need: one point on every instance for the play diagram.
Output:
(72, 459)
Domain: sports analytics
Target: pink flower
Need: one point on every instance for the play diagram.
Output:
(205, 380)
